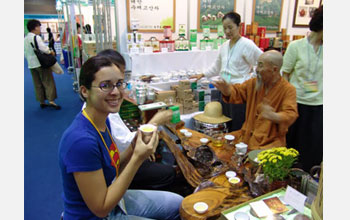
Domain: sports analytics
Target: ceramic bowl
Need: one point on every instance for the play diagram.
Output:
(183, 131)
(155, 79)
(229, 137)
(188, 134)
(234, 180)
(253, 156)
(230, 174)
(200, 207)
(241, 216)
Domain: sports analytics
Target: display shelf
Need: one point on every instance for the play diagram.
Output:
(157, 63)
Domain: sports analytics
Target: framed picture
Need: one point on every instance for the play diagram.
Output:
(53, 27)
(43, 27)
(151, 15)
(268, 13)
(211, 12)
(303, 12)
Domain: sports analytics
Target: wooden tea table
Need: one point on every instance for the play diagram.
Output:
(220, 195)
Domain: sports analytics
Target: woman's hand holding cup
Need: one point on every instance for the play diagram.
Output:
(147, 141)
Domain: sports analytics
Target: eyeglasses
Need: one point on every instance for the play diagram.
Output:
(108, 86)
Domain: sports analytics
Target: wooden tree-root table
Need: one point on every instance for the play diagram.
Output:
(220, 195)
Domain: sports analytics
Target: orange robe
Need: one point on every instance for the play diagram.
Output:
(258, 132)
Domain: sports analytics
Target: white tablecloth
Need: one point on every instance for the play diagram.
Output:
(188, 119)
(156, 63)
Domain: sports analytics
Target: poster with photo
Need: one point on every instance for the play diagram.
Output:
(303, 12)
(268, 14)
(43, 27)
(211, 12)
(53, 27)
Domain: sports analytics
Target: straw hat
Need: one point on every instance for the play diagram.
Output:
(212, 114)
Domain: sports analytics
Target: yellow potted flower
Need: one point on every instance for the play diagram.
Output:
(276, 163)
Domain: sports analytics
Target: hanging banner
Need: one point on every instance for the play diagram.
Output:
(151, 15)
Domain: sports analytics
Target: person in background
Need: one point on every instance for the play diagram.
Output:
(80, 44)
(88, 29)
(303, 68)
(271, 104)
(150, 175)
(44, 83)
(95, 175)
(51, 40)
(236, 58)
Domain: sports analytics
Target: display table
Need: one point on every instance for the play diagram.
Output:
(220, 195)
(156, 63)
(244, 207)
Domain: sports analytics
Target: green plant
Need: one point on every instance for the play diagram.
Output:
(277, 162)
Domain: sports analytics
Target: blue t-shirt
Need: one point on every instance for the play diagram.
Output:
(81, 149)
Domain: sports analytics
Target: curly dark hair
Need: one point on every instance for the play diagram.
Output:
(316, 22)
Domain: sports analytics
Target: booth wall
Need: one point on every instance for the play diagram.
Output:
(243, 7)
(186, 13)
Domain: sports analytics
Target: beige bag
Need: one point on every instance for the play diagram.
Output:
(56, 68)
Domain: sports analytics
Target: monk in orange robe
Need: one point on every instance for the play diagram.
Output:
(270, 104)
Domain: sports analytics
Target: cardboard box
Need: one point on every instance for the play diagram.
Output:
(284, 31)
(188, 110)
(202, 95)
(199, 95)
(183, 93)
(188, 103)
(257, 40)
(255, 26)
(201, 105)
(248, 29)
(163, 95)
(242, 28)
(181, 107)
(193, 85)
(262, 31)
(285, 37)
(174, 87)
(89, 47)
(184, 84)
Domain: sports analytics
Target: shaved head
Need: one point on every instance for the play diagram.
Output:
(268, 69)
(274, 57)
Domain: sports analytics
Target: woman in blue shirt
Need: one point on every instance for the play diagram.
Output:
(95, 175)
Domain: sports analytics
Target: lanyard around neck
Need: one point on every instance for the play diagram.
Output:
(311, 74)
(230, 53)
(103, 140)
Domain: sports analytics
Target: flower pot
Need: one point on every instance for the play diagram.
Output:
(278, 184)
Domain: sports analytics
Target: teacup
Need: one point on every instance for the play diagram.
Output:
(200, 207)
(241, 148)
(147, 131)
(229, 139)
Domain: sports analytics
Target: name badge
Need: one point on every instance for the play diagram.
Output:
(226, 76)
(310, 86)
